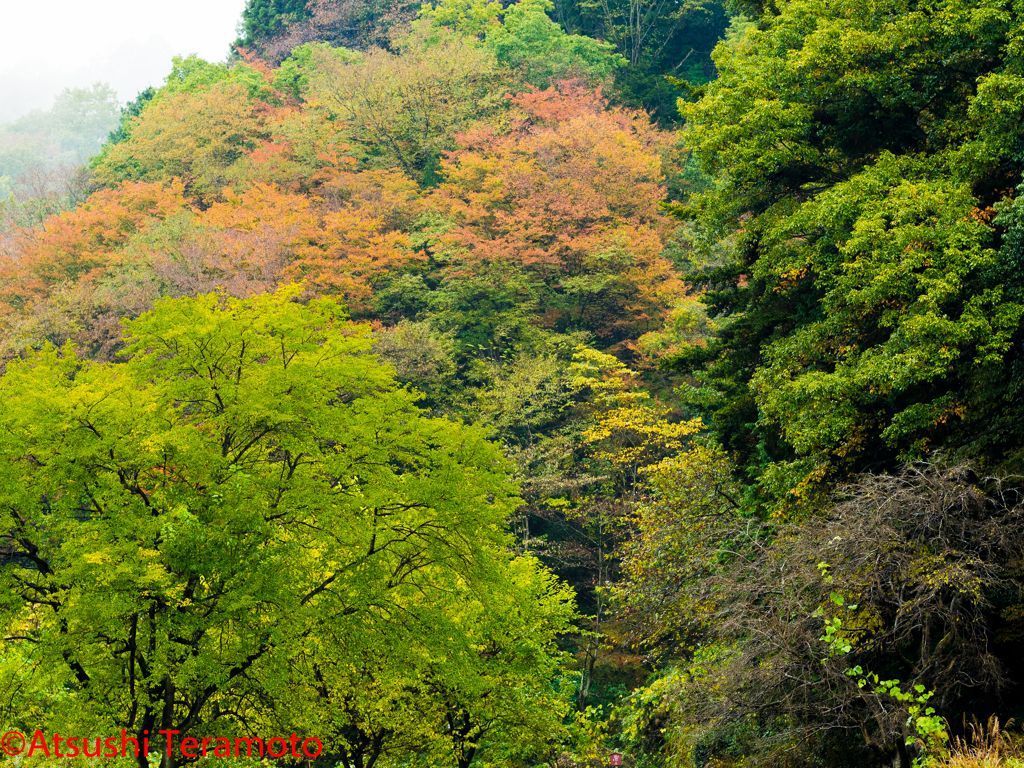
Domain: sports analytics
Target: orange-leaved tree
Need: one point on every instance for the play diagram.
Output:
(48, 267)
(569, 195)
(337, 250)
(127, 246)
(84, 241)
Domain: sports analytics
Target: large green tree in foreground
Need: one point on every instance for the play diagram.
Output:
(247, 529)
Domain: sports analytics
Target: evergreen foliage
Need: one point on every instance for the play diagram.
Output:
(862, 174)
(263, 19)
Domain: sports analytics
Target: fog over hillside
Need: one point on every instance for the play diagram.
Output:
(126, 44)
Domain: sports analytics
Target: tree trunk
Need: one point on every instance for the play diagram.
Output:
(167, 721)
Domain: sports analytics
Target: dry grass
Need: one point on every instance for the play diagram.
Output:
(987, 745)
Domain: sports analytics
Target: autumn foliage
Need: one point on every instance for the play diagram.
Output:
(705, 355)
(77, 243)
(226, 183)
(570, 195)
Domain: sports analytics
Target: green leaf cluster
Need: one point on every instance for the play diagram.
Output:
(872, 310)
(249, 527)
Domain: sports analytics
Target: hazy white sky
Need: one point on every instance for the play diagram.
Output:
(47, 45)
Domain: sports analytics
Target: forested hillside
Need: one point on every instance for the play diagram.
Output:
(655, 39)
(512, 385)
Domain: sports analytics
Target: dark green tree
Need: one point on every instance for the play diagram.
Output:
(866, 157)
(659, 38)
(132, 109)
(265, 19)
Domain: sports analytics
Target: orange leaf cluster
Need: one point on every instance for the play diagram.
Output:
(334, 251)
(570, 194)
(215, 189)
(81, 243)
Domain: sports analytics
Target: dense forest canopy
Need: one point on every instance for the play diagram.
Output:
(486, 384)
(657, 38)
(870, 176)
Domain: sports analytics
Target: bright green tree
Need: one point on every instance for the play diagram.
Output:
(216, 536)
(525, 39)
(402, 110)
(539, 48)
(470, 17)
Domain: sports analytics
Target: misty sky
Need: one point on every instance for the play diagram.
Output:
(49, 45)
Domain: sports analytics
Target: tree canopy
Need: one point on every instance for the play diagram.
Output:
(200, 530)
(870, 186)
(410, 381)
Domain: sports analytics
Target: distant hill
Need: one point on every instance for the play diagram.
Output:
(42, 143)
